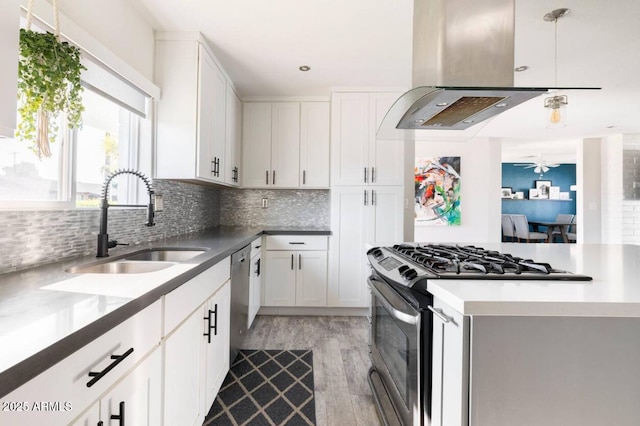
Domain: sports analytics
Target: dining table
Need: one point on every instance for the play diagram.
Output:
(561, 226)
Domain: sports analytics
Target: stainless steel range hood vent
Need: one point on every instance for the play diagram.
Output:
(458, 108)
(463, 71)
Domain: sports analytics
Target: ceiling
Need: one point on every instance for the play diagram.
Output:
(261, 44)
(368, 43)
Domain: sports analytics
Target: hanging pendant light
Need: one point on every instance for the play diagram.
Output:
(556, 105)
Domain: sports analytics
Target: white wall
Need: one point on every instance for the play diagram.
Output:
(589, 181)
(629, 223)
(611, 191)
(480, 182)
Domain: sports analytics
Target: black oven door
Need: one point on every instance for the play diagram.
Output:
(396, 354)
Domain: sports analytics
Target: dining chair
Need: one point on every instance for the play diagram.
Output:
(521, 225)
(561, 217)
(508, 231)
(572, 233)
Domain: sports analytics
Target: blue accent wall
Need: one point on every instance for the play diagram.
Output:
(520, 179)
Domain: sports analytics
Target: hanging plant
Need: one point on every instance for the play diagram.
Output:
(48, 85)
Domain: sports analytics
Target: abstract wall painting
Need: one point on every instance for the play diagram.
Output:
(437, 191)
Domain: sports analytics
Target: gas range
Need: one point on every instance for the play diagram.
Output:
(412, 264)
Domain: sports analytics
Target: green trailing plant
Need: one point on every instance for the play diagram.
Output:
(48, 85)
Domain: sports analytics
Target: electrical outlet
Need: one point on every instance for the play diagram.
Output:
(158, 202)
(265, 203)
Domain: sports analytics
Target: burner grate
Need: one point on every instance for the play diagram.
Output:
(445, 259)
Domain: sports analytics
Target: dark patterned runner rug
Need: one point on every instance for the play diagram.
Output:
(266, 387)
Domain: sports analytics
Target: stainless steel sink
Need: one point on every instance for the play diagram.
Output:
(120, 267)
(174, 254)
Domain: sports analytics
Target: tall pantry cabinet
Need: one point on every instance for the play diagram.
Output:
(367, 195)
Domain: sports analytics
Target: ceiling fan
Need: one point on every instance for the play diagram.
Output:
(539, 165)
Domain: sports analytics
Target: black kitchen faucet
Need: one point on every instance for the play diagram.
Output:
(104, 244)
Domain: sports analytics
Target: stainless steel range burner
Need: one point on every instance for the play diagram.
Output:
(407, 264)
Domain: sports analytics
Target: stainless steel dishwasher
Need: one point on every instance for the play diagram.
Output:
(240, 271)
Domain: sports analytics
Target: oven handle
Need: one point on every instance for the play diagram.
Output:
(439, 314)
(395, 311)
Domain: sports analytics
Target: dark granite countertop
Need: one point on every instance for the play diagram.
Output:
(39, 327)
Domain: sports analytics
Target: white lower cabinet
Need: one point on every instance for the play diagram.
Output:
(217, 311)
(164, 365)
(77, 382)
(183, 378)
(255, 280)
(136, 400)
(296, 277)
(196, 348)
(90, 418)
(449, 397)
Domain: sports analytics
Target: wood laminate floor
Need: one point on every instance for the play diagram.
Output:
(340, 362)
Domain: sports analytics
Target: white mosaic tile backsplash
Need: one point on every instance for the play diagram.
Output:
(286, 207)
(30, 238)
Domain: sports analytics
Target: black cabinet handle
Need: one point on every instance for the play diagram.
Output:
(299, 261)
(266, 175)
(120, 416)
(213, 166)
(373, 175)
(211, 326)
(118, 359)
(258, 267)
(365, 175)
(100, 423)
(274, 177)
(365, 197)
(304, 177)
(292, 262)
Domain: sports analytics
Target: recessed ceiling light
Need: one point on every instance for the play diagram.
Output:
(441, 104)
(521, 68)
(501, 105)
(304, 68)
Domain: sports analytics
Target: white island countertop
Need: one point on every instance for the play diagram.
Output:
(613, 292)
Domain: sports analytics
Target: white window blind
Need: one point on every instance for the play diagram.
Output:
(113, 87)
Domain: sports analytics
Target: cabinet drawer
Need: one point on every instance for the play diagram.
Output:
(256, 246)
(297, 242)
(182, 301)
(64, 387)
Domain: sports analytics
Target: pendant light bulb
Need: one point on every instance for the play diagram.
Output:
(556, 111)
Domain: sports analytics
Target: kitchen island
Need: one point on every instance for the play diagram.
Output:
(511, 352)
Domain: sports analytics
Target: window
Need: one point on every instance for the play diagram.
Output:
(25, 178)
(106, 142)
(109, 139)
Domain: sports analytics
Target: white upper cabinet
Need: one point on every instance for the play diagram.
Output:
(210, 133)
(256, 144)
(285, 144)
(233, 146)
(357, 157)
(314, 144)
(9, 40)
(197, 137)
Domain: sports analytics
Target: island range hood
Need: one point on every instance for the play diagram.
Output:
(463, 70)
